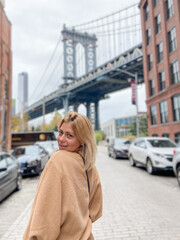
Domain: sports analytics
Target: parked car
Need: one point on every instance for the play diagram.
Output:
(118, 148)
(176, 164)
(10, 175)
(50, 146)
(32, 158)
(155, 153)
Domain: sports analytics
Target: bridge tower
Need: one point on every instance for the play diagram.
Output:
(71, 38)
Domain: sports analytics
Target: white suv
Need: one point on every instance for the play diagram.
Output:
(154, 153)
(176, 164)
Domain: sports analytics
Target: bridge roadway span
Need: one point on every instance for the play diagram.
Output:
(94, 86)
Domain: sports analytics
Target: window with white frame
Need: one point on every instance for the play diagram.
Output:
(172, 40)
(160, 52)
(151, 87)
(148, 36)
(150, 61)
(162, 80)
(158, 23)
(175, 72)
(163, 111)
(146, 11)
(169, 9)
(153, 112)
(176, 107)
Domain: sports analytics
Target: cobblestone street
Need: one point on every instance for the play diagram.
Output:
(137, 206)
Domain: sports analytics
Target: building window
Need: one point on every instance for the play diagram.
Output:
(172, 40)
(163, 111)
(176, 107)
(150, 61)
(169, 9)
(148, 36)
(155, 135)
(6, 90)
(160, 52)
(165, 135)
(177, 137)
(158, 23)
(161, 80)
(151, 87)
(146, 11)
(175, 72)
(153, 112)
(155, 2)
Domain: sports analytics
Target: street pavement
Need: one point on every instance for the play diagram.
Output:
(136, 205)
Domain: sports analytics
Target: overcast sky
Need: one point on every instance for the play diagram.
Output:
(36, 28)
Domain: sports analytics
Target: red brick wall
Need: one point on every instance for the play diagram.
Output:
(5, 77)
(171, 127)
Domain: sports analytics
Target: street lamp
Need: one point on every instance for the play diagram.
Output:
(135, 76)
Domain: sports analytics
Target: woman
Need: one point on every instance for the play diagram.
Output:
(69, 196)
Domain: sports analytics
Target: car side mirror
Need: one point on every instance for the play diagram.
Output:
(3, 169)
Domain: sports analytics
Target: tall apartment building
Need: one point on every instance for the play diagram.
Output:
(5, 80)
(161, 63)
(22, 91)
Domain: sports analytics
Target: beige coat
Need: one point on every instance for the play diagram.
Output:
(63, 209)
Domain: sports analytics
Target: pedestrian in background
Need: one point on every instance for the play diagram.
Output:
(69, 195)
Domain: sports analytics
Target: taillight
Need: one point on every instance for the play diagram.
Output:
(174, 151)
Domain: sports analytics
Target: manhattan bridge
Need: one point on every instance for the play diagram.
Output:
(91, 60)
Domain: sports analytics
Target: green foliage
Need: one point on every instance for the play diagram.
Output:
(99, 136)
(16, 123)
(143, 128)
(53, 125)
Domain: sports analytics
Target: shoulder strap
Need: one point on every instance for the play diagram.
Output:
(86, 176)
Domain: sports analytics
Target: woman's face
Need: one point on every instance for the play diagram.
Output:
(67, 139)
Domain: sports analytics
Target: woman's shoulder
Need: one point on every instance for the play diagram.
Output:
(62, 160)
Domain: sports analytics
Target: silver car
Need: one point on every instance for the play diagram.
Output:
(176, 164)
(50, 146)
(155, 153)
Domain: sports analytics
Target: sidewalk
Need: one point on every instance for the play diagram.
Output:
(16, 230)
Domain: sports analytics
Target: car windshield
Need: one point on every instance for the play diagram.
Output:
(121, 141)
(28, 150)
(45, 144)
(161, 143)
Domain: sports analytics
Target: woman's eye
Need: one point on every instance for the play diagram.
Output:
(69, 136)
(60, 133)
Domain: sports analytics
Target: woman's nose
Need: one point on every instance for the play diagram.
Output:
(62, 137)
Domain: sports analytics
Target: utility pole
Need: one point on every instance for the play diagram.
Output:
(135, 76)
(43, 112)
(137, 111)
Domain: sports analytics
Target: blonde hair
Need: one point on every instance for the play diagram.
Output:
(84, 132)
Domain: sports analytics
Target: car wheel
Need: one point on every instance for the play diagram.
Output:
(19, 182)
(178, 175)
(114, 155)
(132, 163)
(149, 166)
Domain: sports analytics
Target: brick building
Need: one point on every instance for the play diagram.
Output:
(161, 64)
(5, 80)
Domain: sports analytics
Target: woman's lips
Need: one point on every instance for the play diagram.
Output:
(62, 146)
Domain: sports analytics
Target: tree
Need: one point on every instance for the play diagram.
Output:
(53, 125)
(143, 128)
(16, 123)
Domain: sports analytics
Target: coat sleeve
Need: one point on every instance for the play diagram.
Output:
(95, 204)
(45, 219)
